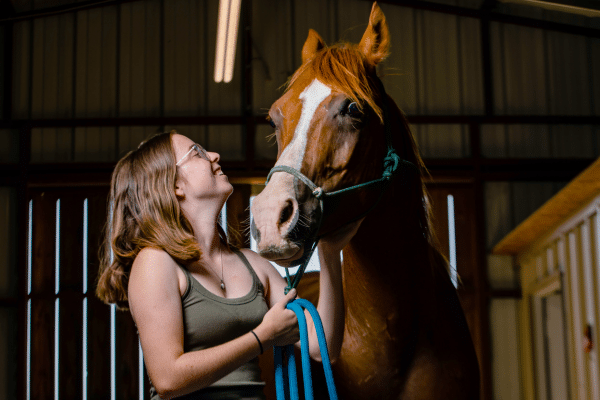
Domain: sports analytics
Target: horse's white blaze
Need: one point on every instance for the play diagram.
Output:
(312, 96)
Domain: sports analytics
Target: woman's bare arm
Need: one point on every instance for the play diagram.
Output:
(155, 304)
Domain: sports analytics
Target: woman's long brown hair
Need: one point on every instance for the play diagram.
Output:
(143, 211)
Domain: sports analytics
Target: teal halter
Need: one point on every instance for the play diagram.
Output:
(391, 163)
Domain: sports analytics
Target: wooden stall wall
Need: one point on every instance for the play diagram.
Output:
(8, 291)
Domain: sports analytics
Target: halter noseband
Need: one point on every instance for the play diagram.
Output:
(391, 162)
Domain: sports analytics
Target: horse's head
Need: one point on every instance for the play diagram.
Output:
(329, 126)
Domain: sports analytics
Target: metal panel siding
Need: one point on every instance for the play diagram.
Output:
(442, 141)
(9, 146)
(21, 69)
(400, 69)
(139, 59)
(187, 65)
(568, 74)
(594, 62)
(273, 58)
(531, 141)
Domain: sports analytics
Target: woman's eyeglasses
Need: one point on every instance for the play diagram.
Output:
(198, 150)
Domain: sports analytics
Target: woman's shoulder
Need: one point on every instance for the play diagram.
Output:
(153, 265)
(257, 262)
(263, 268)
(153, 257)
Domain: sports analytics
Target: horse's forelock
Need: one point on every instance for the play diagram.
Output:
(346, 69)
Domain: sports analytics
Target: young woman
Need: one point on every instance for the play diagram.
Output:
(204, 309)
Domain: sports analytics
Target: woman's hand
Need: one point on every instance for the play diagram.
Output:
(279, 326)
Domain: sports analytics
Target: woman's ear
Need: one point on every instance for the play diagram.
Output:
(179, 190)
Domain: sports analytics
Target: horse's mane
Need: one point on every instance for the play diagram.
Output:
(344, 67)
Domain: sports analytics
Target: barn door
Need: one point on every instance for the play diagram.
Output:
(77, 347)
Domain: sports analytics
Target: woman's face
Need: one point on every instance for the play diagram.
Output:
(198, 173)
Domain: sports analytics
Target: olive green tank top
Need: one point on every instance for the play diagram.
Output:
(210, 320)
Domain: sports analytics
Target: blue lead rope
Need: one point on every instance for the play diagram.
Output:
(288, 351)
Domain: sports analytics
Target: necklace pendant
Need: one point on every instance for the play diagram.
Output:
(222, 285)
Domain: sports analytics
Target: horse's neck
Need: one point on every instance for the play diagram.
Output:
(389, 253)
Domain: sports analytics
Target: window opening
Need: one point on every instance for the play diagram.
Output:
(452, 241)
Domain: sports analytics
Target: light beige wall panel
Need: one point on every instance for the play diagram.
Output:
(8, 242)
(498, 213)
(438, 69)
(399, 71)
(272, 50)
(551, 263)
(577, 310)
(590, 297)
(540, 366)
(595, 247)
(568, 74)
(562, 254)
(21, 69)
(505, 349)
(518, 66)
(139, 59)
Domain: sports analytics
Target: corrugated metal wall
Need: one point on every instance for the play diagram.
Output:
(156, 59)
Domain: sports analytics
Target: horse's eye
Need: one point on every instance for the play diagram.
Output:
(272, 123)
(353, 109)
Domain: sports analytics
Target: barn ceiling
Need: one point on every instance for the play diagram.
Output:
(10, 9)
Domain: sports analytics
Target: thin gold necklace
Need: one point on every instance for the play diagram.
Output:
(222, 283)
(212, 269)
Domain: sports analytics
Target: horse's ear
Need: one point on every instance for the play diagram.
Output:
(313, 44)
(375, 43)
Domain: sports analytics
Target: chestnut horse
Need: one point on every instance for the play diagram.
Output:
(405, 334)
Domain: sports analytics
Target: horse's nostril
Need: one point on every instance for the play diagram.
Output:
(286, 213)
(254, 231)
